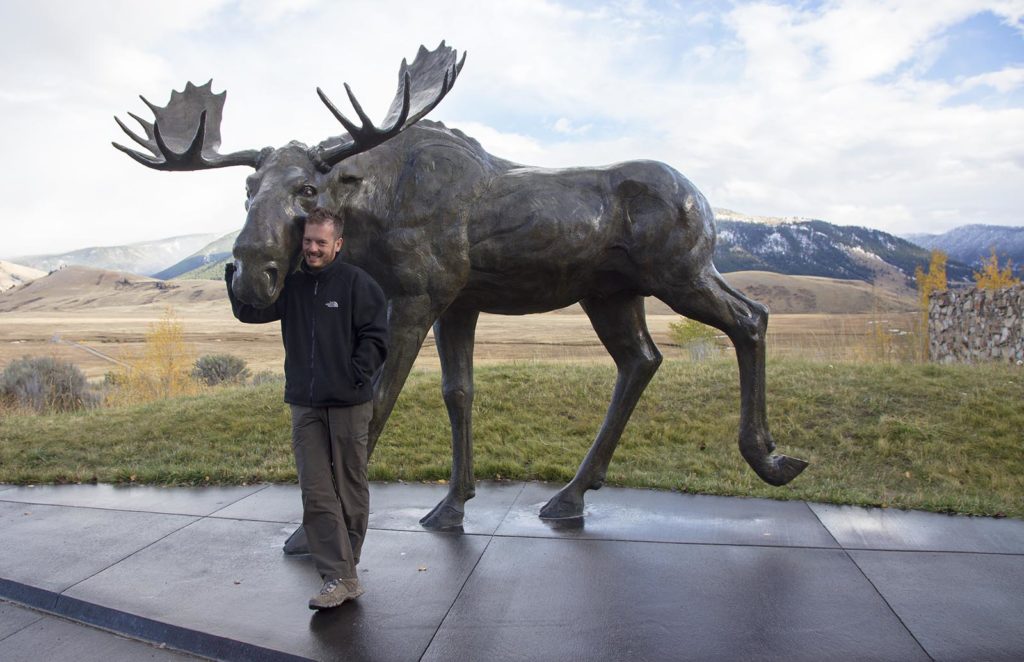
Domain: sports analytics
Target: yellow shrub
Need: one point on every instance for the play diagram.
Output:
(933, 281)
(163, 370)
(991, 277)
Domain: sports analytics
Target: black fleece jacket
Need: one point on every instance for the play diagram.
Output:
(334, 328)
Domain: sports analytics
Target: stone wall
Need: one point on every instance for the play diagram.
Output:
(970, 325)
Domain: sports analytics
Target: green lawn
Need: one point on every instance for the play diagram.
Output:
(911, 436)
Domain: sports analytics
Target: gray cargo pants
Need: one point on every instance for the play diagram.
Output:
(330, 454)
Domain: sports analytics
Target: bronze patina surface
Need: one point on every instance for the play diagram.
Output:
(450, 231)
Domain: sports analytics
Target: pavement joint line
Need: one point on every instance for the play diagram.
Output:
(886, 603)
(105, 508)
(129, 555)
(43, 614)
(239, 499)
(148, 630)
(846, 553)
(668, 542)
(253, 519)
(40, 617)
(431, 532)
(962, 552)
(471, 572)
(821, 523)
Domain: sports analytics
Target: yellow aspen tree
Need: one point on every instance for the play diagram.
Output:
(927, 283)
(164, 368)
(991, 277)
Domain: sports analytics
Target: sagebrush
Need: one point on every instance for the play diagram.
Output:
(214, 369)
(44, 384)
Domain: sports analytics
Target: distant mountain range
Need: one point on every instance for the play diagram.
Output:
(808, 247)
(145, 258)
(971, 243)
(212, 253)
(785, 245)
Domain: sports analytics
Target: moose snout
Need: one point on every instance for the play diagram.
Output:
(257, 285)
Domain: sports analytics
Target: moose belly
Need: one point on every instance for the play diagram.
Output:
(519, 292)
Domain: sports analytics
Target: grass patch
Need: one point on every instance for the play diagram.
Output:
(941, 438)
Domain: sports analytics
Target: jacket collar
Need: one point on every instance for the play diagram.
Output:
(326, 272)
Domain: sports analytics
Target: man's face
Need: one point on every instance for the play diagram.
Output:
(319, 246)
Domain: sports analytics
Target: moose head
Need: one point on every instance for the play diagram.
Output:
(288, 181)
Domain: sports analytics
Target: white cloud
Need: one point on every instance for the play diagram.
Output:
(771, 109)
(513, 146)
(1005, 80)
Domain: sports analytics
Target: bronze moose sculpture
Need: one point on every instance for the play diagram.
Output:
(450, 231)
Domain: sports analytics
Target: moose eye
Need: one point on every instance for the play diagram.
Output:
(307, 191)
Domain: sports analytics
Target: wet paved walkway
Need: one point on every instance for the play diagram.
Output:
(647, 576)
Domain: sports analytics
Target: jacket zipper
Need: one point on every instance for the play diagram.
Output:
(312, 344)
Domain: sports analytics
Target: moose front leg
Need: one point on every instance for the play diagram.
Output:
(454, 333)
(409, 319)
(622, 327)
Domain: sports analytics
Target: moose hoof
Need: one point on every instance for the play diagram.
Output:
(780, 469)
(562, 506)
(442, 517)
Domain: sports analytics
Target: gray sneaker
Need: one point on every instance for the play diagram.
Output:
(334, 592)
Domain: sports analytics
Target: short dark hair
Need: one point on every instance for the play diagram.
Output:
(322, 216)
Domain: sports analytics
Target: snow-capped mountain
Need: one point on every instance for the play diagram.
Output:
(787, 245)
(971, 243)
(809, 247)
(146, 257)
(211, 253)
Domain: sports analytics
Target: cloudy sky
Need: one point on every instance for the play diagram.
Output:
(906, 116)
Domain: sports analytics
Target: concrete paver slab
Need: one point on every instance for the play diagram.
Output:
(646, 575)
(54, 547)
(50, 638)
(959, 606)
(143, 498)
(272, 503)
(533, 599)
(229, 578)
(400, 506)
(14, 618)
(885, 529)
(395, 506)
(658, 516)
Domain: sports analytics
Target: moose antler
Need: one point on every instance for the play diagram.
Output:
(421, 86)
(185, 134)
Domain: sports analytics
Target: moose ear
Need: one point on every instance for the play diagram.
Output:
(349, 172)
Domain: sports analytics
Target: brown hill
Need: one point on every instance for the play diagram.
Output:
(811, 294)
(787, 295)
(81, 288)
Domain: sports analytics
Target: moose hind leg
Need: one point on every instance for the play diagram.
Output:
(454, 332)
(709, 299)
(622, 327)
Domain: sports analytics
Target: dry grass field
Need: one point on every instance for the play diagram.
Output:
(96, 319)
(942, 438)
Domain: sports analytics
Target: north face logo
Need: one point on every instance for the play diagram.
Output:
(332, 304)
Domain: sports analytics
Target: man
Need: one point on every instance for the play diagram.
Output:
(334, 325)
